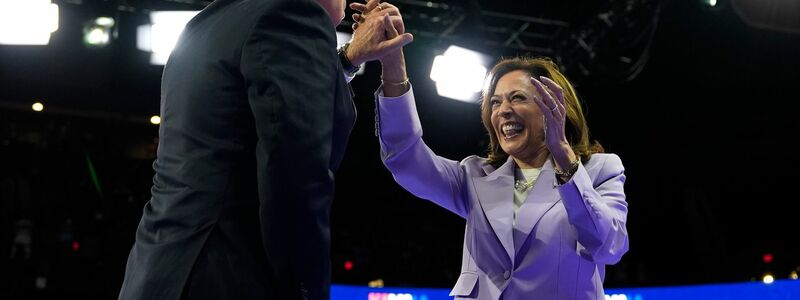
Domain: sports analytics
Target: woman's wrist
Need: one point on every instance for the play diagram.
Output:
(394, 77)
(563, 156)
(394, 67)
(565, 162)
(395, 89)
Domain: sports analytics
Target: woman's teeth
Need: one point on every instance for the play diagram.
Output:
(510, 130)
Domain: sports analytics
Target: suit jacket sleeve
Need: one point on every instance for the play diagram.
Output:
(599, 212)
(412, 163)
(290, 70)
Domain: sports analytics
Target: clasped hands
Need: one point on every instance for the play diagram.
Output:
(378, 32)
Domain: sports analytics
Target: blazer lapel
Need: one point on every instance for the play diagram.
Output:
(540, 200)
(496, 198)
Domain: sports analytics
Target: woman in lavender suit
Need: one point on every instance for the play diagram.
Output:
(545, 211)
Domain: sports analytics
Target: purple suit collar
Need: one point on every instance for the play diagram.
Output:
(496, 197)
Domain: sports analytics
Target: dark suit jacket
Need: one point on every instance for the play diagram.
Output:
(255, 118)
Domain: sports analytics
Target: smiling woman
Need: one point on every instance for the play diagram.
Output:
(514, 81)
(546, 210)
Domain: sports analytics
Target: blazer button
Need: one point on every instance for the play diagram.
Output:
(506, 274)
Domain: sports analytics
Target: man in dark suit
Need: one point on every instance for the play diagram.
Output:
(256, 113)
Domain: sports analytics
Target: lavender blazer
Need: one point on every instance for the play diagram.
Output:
(562, 239)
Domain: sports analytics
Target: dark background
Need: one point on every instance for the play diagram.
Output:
(706, 132)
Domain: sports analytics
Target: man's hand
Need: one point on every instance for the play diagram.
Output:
(371, 37)
(376, 6)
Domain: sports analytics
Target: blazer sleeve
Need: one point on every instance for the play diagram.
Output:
(599, 212)
(412, 163)
(291, 74)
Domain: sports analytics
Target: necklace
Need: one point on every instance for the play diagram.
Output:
(521, 185)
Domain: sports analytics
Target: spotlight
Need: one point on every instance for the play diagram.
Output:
(768, 278)
(27, 22)
(37, 107)
(161, 36)
(155, 120)
(459, 73)
(711, 3)
(105, 21)
(97, 33)
(793, 275)
(377, 283)
(96, 37)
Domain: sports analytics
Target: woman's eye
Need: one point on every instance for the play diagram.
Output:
(494, 102)
(518, 98)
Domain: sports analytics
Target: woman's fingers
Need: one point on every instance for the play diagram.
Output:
(554, 88)
(394, 39)
(391, 11)
(382, 8)
(546, 96)
(391, 32)
(546, 111)
(371, 5)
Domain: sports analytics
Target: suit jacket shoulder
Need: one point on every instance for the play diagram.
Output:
(602, 166)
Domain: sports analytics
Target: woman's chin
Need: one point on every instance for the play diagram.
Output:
(511, 149)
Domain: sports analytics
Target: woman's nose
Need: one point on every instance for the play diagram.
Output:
(505, 109)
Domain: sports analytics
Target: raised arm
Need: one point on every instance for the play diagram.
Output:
(412, 163)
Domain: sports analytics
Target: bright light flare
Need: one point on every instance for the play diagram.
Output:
(459, 74)
(97, 37)
(98, 32)
(27, 22)
(768, 279)
(104, 21)
(161, 37)
(155, 120)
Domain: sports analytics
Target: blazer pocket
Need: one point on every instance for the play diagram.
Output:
(465, 285)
